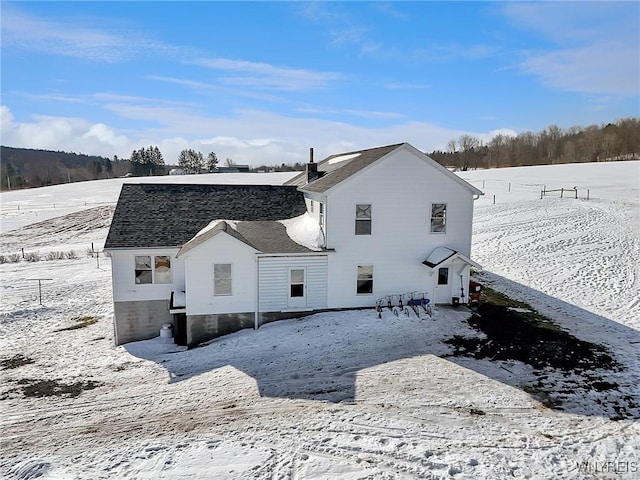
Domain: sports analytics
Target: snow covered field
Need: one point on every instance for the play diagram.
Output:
(336, 395)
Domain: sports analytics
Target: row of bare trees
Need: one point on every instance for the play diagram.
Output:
(614, 141)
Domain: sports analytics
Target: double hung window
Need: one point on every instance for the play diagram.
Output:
(152, 269)
(438, 217)
(364, 283)
(363, 219)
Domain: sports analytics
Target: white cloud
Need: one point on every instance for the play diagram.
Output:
(249, 137)
(264, 75)
(78, 37)
(20, 30)
(605, 68)
(594, 45)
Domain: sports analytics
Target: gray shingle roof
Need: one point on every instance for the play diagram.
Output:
(265, 236)
(269, 237)
(334, 173)
(169, 215)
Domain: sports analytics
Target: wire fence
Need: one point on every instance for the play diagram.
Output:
(501, 191)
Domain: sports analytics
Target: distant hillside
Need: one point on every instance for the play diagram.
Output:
(25, 168)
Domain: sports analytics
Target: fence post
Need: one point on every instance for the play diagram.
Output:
(40, 280)
(509, 186)
(482, 183)
(562, 192)
(494, 199)
(541, 194)
(576, 193)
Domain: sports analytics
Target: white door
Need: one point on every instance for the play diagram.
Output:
(442, 285)
(297, 288)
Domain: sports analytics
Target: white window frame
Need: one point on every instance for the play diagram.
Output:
(443, 273)
(364, 215)
(361, 278)
(436, 228)
(297, 283)
(153, 261)
(224, 293)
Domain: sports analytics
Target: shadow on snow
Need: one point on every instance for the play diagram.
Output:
(319, 357)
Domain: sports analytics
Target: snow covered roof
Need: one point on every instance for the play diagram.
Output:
(170, 215)
(441, 254)
(336, 168)
(263, 236)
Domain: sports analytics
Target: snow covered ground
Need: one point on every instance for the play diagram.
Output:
(337, 395)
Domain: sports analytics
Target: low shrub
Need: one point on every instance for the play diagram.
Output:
(55, 255)
(32, 257)
(14, 258)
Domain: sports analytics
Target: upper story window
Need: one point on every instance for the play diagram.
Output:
(438, 217)
(222, 279)
(152, 269)
(363, 219)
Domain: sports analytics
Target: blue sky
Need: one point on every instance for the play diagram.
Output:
(261, 82)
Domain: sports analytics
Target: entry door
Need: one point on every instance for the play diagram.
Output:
(442, 285)
(297, 288)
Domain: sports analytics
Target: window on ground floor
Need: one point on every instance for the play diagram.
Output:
(222, 279)
(365, 280)
(152, 269)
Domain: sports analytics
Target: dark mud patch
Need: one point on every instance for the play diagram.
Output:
(570, 373)
(529, 338)
(52, 388)
(16, 361)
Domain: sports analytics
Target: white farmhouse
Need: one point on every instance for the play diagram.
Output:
(352, 229)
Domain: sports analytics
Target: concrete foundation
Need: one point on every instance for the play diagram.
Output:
(140, 320)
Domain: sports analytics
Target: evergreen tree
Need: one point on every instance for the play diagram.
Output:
(212, 162)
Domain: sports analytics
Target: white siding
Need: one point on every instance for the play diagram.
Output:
(123, 274)
(199, 262)
(274, 281)
(400, 189)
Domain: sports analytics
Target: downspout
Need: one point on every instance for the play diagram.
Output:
(256, 324)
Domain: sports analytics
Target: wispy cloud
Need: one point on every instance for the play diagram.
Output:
(592, 47)
(406, 86)
(369, 114)
(70, 37)
(266, 76)
(605, 68)
(341, 27)
(391, 9)
(20, 30)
